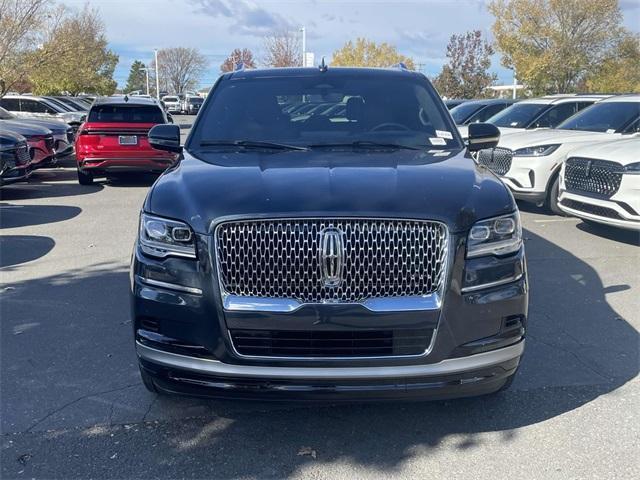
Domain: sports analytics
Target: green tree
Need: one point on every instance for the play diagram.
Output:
(620, 73)
(366, 53)
(137, 77)
(244, 56)
(87, 67)
(466, 75)
(554, 44)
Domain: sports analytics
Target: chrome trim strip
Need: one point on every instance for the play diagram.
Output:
(170, 286)
(236, 303)
(492, 284)
(216, 367)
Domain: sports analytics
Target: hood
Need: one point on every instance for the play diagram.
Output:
(532, 138)
(9, 139)
(24, 129)
(622, 151)
(444, 186)
(510, 131)
(56, 126)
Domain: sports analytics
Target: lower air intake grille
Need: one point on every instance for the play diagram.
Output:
(592, 209)
(369, 343)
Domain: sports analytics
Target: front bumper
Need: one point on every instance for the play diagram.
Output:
(477, 374)
(183, 337)
(529, 177)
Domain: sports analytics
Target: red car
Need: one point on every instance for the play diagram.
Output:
(114, 138)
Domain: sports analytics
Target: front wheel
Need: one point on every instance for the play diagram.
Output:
(85, 178)
(551, 203)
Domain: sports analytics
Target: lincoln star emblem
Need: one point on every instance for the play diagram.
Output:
(587, 171)
(331, 256)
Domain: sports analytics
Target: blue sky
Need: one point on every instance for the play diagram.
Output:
(419, 28)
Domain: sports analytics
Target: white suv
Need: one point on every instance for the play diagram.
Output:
(601, 183)
(543, 112)
(27, 106)
(529, 162)
(172, 103)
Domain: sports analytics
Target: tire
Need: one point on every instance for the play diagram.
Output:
(85, 178)
(147, 381)
(551, 203)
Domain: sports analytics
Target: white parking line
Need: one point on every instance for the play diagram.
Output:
(556, 220)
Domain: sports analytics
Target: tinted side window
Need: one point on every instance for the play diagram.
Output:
(487, 112)
(582, 105)
(555, 115)
(27, 105)
(11, 104)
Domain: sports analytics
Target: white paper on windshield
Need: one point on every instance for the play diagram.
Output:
(513, 124)
(438, 141)
(443, 134)
(441, 154)
(611, 130)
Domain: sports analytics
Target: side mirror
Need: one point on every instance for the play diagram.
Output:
(165, 137)
(83, 118)
(169, 118)
(482, 135)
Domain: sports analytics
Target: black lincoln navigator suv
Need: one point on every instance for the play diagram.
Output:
(348, 249)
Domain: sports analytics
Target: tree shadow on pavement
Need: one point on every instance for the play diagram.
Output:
(13, 216)
(17, 249)
(48, 184)
(578, 349)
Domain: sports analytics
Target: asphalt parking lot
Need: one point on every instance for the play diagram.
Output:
(73, 406)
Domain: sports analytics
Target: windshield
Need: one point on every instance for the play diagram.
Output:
(4, 115)
(126, 114)
(519, 115)
(326, 110)
(195, 100)
(607, 117)
(463, 111)
(170, 99)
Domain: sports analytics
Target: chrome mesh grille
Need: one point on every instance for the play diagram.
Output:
(598, 177)
(281, 259)
(23, 156)
(498, 160)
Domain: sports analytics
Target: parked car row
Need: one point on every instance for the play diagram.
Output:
(586, 166)
(187, 104)
(47, 141)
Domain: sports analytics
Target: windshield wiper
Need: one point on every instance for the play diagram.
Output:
(250, 144)
(365, 144)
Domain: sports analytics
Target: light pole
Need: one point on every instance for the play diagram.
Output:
(304, 46)
(146, 71)
(155, 50)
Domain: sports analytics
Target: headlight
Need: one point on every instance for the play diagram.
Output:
(632, 168)
(495, 236)
(539, 151)
(161, 237)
